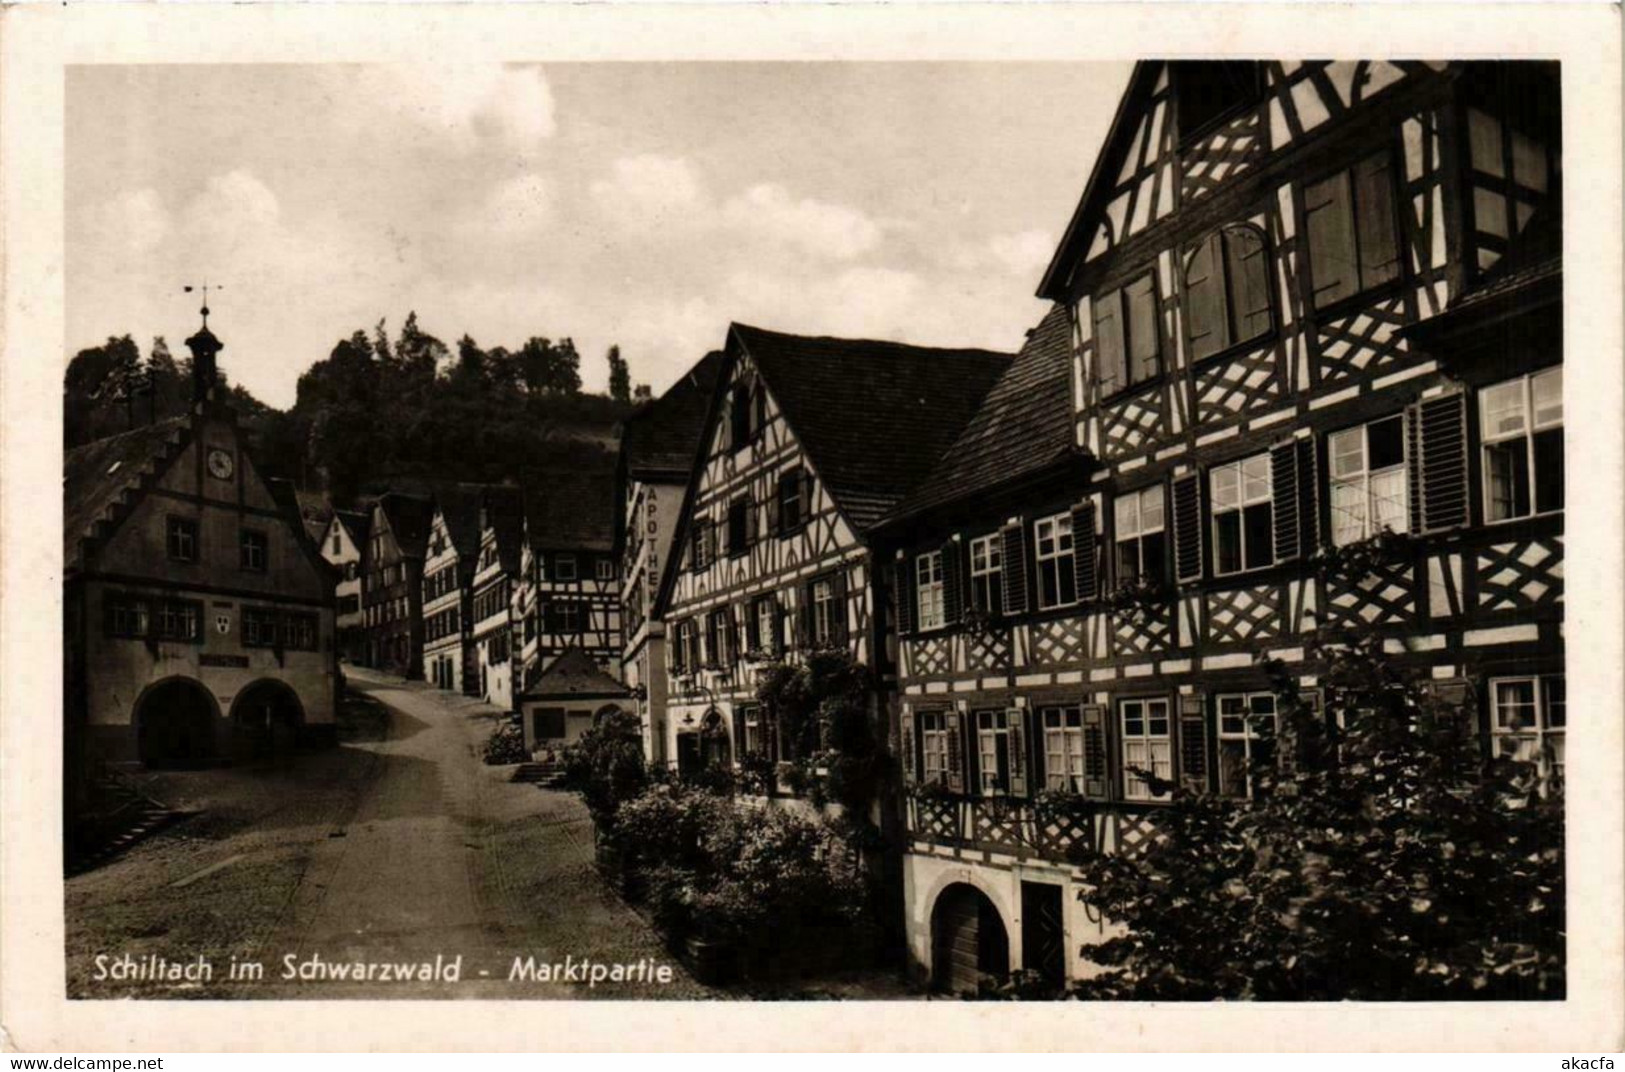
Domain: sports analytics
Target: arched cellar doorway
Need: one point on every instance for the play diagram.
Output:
(174, 724)
(265, 720)
(968, 939)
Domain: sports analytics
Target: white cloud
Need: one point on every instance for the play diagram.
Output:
(519, 206)
(136, 221)
(465, 104)
(652, 192)
(1023, 253)
(769, 210)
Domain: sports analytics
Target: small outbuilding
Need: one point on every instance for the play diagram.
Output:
(568, 698)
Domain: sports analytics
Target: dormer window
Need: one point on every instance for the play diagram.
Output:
(1210, 92)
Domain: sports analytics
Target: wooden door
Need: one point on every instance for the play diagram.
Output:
(1043, 933)
(968, 940)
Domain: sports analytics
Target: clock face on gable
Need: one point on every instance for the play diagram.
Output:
(221, 464)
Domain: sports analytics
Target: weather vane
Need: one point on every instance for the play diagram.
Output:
(205, 289)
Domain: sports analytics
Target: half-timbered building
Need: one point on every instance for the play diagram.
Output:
(198, 611)
(341, 541)
(392, 583)
(807, 443)
(1300, 307)
(657, 452)
(568, 594)
(448, 573)
(490, 646)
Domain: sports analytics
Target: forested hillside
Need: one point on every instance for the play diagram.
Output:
(377, 411)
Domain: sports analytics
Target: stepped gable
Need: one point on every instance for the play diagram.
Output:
(873, 416)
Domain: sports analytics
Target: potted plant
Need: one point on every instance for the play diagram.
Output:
(1140, 598)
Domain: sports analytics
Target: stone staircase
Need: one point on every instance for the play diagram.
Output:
(548, 775)
(121, 817)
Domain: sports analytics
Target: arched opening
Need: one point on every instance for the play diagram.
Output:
(265, 720)
(968, 940)
(174, 724)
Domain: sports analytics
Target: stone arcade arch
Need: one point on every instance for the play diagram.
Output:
(968, 939)
(266, 718)
(175, 724)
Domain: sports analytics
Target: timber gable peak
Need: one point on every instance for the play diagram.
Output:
(1183, 130)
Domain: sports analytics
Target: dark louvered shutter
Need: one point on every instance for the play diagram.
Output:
(905, 747)
(1439, 476)
(1374, 215)
(1016, 741)
(1187, 496)
(1086, 550)
(1204, 298)
(1096, 756)
(772, 507)
(804, 486)
(1329, 227)
(739, 733)
(956, 752)
(1013, 546)
(903, 571)
(753, 519)
(1193, 768)
(776, 610)
(1248, 268)
(770, 735)
(837, 609)
(1285, 476)
(953, 601)
(804, 616)
(1111, 360)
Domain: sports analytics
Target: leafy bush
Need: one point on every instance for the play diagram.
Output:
(1386, 861)
(606, 767)
(506, 744)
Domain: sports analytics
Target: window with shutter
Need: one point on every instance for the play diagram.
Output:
(1193, 770)
(928, 589)
(1439, 435)
(952, 595)
(1138, 537)
(987, 574)
(931, 753)
(1247, 739)
(1352, 231)
(1187, 496)
(1247, 264)
(1146, 736)
(1521, 431)
(1204, 299)
(1140, 309)
(1016, 726)
(1243, 506)
(1085, 550)
(1285, 473)
(1111, 359)
(839, 632)
(1061, 747)
(952, 732)
(1096, 754)
(907, 759)
(1015, 568)
(1369, 482)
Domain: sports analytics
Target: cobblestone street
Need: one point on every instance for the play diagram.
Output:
(399, 850)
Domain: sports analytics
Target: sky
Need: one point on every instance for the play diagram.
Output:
(641, 204)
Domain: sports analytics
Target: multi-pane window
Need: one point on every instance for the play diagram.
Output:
(259, 627)
(1063, 747)
(1127, 343)
(1247, 731)
(1140, 539)
(1243, 515)
(824, 610)
(993, 752)
(1368, 480)
(254, 548)
(128, 616)
(1057, 572)
(181, 539)
(564, 567)
(1353, 238)
(563, 617)
(987, 573)
(1147, 745)
(766, 623)
(605, 569)
(790, 494)
(1227, 290)
(739, 513)
(752, 745)
(179, 619)
(1521, 422)
(928, 589)
(1528, 717)
(299, 631)
(933, 746)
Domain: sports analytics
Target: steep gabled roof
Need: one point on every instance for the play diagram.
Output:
(574, 673)
(97, 475)
(570, 504)
(1024, 426)
(505, 514)
(660, 437)
(872, 416)
(460, 505)
(409, 517)
(358, 523)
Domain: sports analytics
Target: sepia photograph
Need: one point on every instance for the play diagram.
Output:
(1074, 532)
